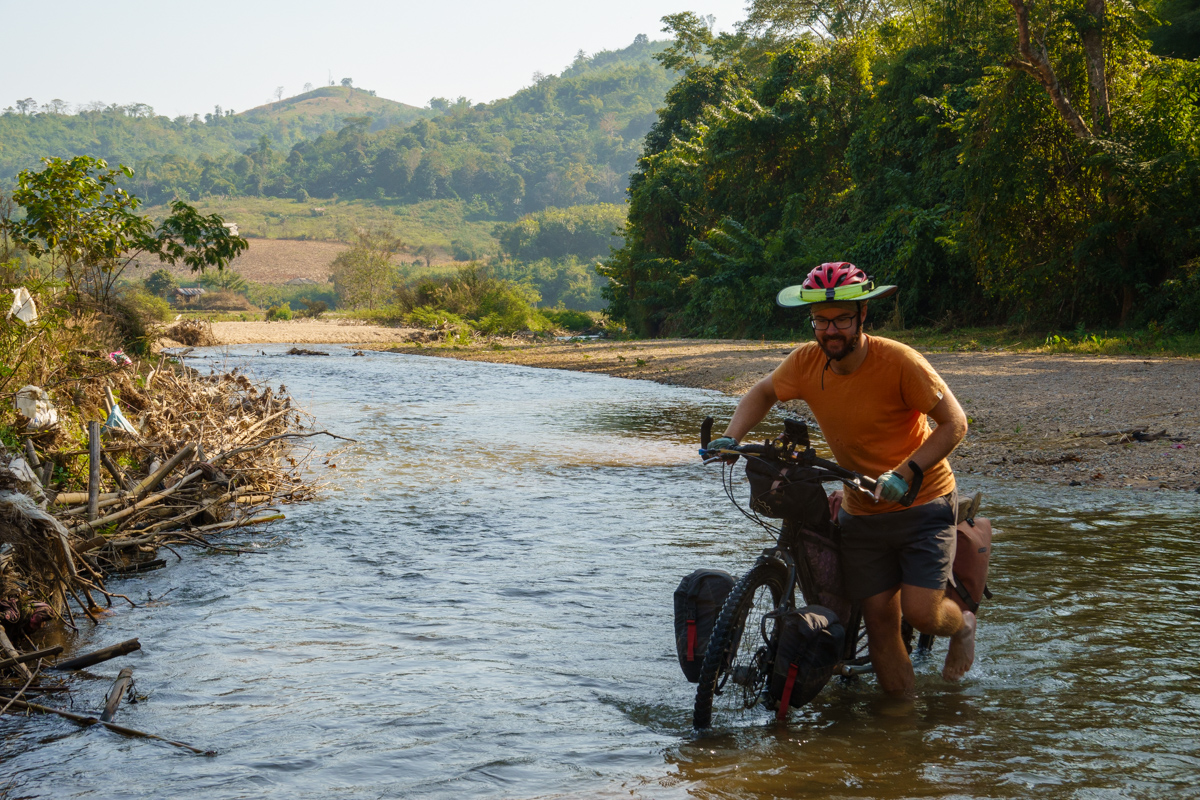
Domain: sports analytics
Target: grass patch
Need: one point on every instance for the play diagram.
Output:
(441, 226)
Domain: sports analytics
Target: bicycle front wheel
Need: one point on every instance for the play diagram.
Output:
(737, 664)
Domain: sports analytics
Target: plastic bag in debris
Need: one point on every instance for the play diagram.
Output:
(19, 475)
(23, 306)
(119, 358)
(34, 403)
(116, 422)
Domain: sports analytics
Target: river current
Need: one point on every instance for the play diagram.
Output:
(479, 605)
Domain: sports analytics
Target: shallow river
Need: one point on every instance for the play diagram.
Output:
(480, 606)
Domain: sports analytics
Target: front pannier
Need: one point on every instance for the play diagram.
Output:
(698, 602)
(810, 646)
(792, 492)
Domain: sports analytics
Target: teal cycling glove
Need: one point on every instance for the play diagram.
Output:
(891, 487)
(723, 443)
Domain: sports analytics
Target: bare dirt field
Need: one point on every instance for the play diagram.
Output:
(1033, 416)
(272, 261)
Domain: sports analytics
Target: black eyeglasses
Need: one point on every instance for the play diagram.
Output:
(844, 323)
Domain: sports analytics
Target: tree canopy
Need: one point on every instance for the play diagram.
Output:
(1000, 161)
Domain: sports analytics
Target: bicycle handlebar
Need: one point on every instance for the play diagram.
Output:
(848, 477)
(805, 456)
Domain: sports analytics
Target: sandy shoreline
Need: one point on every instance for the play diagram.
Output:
(311, 331)
(1031, 414)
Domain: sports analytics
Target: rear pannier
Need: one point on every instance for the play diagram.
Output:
(810, 647)
(698, 602)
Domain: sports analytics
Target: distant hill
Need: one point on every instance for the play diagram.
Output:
(326, 109)
(567, 140)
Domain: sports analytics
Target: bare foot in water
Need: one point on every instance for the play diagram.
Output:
(962, 650)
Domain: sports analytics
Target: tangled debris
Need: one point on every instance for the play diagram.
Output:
(192, 332)
(198, 457)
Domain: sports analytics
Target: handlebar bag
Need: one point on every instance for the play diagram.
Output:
(810, 642)
(973, 551)
(698, 602)
(792, 492)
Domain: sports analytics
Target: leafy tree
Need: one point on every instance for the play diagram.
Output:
(347, 82)
(161, 283)
(583, 231)
(364, 275)
(86, 226)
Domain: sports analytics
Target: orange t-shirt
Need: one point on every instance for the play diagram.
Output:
(874, 418)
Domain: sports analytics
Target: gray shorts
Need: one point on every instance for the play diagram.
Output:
(913, 546)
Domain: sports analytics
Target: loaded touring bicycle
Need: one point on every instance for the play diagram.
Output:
(771, 640)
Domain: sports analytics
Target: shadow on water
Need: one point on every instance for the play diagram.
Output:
(481, 606)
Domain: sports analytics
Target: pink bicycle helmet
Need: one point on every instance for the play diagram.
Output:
(833, 282)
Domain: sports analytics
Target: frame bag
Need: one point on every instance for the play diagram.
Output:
(793, 493)
(698, 602)
(809, 647)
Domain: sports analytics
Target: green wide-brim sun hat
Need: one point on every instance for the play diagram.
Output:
(794, 296)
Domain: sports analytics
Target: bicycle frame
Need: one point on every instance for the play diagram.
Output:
(800, 575)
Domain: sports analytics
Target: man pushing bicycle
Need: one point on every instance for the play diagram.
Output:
(871, 398)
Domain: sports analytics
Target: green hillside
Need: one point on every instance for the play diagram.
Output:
(326, 109)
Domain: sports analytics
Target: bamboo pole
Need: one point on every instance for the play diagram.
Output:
(31, 455)
(154, 480)
(151, 500)
(98, 656)
(72, 498)
(93, 469)
(25, 658)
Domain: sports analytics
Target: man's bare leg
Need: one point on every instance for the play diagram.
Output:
(893, 670)
(931, 611)
(962, 649)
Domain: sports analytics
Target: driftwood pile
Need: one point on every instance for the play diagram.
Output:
(199, 457)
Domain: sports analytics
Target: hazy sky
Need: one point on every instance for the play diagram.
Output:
(186, 57)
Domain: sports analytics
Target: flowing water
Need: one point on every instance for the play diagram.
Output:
(480, 606)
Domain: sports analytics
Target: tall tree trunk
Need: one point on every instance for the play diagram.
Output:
(1093, 51)
(1036, 62)
(1126, 303)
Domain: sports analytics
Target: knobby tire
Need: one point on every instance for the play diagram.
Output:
(728, 631)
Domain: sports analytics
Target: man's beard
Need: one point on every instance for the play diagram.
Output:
(850, 345)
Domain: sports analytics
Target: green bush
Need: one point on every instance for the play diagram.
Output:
(279, 313)
(487, 303)
(313, 309)
(151, 307)
(429, 317)
(570, 320)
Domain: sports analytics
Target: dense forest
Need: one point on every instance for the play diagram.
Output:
(1002, 161)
